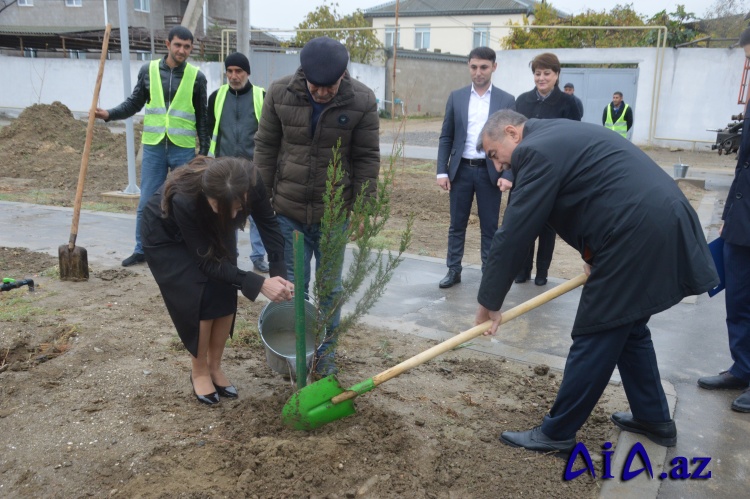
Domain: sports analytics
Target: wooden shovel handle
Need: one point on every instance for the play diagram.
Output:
(467, 335)
(89, 138)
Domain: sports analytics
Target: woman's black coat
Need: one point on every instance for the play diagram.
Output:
(173, 247)
(607, 199)
(558, 104)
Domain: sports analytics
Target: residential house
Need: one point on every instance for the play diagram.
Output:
(447, 26)
(70, 28)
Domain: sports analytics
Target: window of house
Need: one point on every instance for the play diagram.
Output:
(27, 52)
(25, 3)
(76, 54)
(73, 3)
(421, 37)
(142, 56)
(481, 35)
(142, 5)
(390, 34)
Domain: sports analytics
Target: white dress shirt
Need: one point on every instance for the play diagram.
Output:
(479, 111)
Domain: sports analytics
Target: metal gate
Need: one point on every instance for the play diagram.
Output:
(595, 86)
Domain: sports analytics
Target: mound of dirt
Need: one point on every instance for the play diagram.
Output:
(46, 143)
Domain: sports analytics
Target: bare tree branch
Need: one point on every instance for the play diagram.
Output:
(5, 4)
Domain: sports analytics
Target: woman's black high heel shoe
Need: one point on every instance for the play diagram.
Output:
(229, 392)
(210, 399)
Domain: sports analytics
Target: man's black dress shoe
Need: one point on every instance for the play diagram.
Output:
(742, 403)
(534, 439)
(229, 392)
(724, 381)
(664, 434)
(451, 278)
(133, 259)
(540, 281)
(210, 399)
(522, 277)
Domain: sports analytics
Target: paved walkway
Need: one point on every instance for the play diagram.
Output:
(690, 338)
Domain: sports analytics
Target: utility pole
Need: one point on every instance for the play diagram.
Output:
(192, 14)
(243, 27)
(122, 11)
(393, 76)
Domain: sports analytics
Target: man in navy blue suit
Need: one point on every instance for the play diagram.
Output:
(462, 170)
(735, 232)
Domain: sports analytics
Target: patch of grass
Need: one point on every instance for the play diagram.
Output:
(41, 197)
(54, 199)
(52, 272)
(416, 117)
(462, 345)
(107, 207)
(385, 350)
(387, 239)
(245, 335)
(175, 344)
(35, 197)
(418, 166)
(17, 308)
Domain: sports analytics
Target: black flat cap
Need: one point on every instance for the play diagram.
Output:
(323, 60)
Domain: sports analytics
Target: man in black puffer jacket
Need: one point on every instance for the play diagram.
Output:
(304, 116)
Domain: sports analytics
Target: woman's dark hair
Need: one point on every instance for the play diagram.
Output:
(546, 61)
(224, 179)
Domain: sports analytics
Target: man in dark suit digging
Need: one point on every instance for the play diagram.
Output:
(464, 171)
(643, 249)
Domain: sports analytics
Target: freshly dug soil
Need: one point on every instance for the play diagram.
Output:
(96, 401)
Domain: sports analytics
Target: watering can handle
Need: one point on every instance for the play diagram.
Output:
(457, 340)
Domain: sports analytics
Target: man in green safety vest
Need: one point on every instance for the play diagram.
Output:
(233, 116)
(618, 116)
(175, 115)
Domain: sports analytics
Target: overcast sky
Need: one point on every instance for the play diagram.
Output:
(289, 13)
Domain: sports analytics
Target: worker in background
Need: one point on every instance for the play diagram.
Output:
(233, 115)
(618, 116)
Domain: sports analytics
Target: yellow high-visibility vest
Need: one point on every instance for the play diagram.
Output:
(177, 122)
(620, 126)
(221, 96)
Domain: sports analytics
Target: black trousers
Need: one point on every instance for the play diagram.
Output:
(591, 362)
(468, 182)
(543, 254)
(737, 294)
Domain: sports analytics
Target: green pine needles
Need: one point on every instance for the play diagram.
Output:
(369, 266)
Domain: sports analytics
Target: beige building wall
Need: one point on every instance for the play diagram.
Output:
(453, 34)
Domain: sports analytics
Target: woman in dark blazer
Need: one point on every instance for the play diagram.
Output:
(545, 101)
(190, 243)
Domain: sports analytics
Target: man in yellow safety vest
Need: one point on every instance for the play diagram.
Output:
(233, 116)
(618, 116)
(175, 114)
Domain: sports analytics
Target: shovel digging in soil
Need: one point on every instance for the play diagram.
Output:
(325, 401)
(74, 262)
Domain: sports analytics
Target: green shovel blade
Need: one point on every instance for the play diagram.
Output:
(311, 407)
